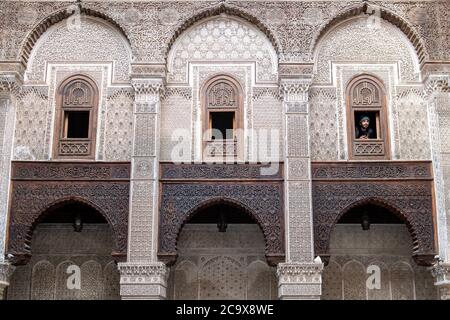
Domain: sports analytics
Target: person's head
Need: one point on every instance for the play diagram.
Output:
(364, 122)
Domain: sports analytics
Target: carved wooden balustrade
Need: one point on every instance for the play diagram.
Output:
(221, 148)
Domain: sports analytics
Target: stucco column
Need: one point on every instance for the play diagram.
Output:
(438, 99)
(299, 277)
(8, 88)
(143, 276)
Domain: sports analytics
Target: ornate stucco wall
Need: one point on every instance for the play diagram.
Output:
(150, 59)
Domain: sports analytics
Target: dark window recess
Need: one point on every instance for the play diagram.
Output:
(77, 124)
(373, 123)
(223, 122)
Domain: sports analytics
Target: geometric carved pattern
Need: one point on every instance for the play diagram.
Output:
(30, 126)
(36, 187)
(354, 281)
(383, 292)
(335, 46)
(186, 281)
(413, 124)
(57, 245)
(368, 148)
(222, 278)
(111, 281)
(259, 281)
(119, 127)
(402, 282)
(398, 280)
(212, 264)
(323, 123)
(93, 41)
(182, 199)
(222, 39)
(332, 282)
(268, 122)
(43, 284)
(62, 291)
(175, 116)
(410, 198)
(91, 281)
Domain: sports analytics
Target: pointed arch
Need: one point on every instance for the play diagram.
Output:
(385, 14)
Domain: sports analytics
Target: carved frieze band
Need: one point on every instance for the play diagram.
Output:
(371, 170)
(407, 192)
(206, 171)
(37, 187)
(69, 171)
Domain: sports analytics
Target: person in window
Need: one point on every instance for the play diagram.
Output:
(363, 131)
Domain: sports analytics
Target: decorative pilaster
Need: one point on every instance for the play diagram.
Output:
(300, 276)
(6, 270)
(438, 99)
(142, 276)
(437, 89)
(9, 88)
(441, 274)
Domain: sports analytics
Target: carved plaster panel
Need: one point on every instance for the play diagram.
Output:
(92, 41)
(224, 39)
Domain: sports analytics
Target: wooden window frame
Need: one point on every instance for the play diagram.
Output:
(66, 148)
(237, 140)
(382, 142)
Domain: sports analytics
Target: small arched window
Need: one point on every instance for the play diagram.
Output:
(222, 99)
(367, 119)
(75, 125)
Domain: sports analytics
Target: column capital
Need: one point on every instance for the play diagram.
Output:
(148, 86)
(294, 86)
(437, 83)
(300, 281)
(10, 83)
(143, 280)
(441, 273)
(6, 271)
(295, 93)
